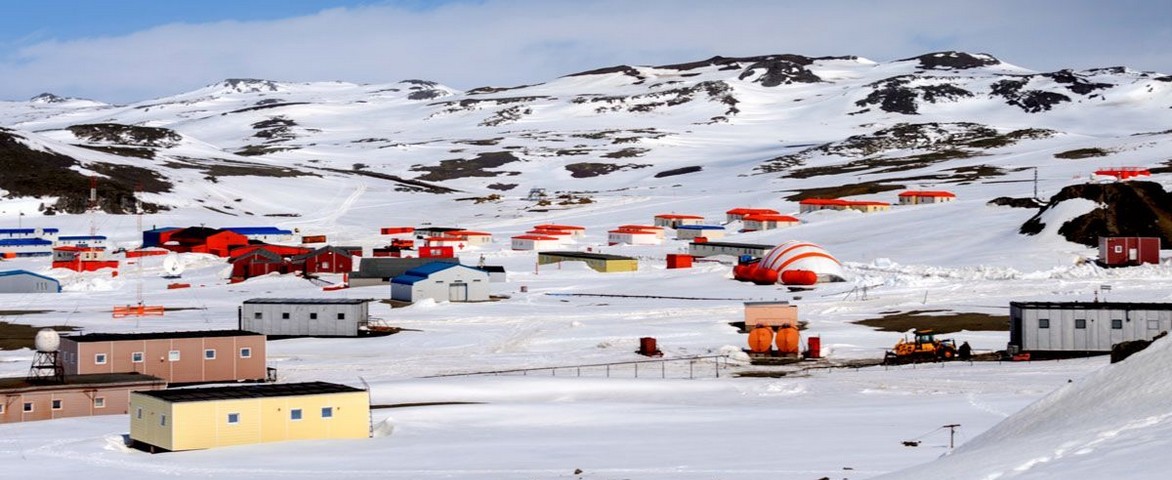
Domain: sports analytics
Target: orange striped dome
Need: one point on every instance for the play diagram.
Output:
(798, 255)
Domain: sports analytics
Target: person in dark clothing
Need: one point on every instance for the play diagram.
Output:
(965, 351)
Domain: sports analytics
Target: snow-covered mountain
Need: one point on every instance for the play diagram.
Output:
(785, 123)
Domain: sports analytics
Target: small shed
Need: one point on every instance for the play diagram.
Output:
(24, 281)
(472, 238)
(770, 314)
(534, 242)
(689, 232)
(199, 418)
(596, 261)
(75, 396)
(1128, 251)
(177, 357)
(675, 220)
(916, 197)
(258, 262)
(441, 281)
(305, 317)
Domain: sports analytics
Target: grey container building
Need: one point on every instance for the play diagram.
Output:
(1078, 327)
(380, 270)
(305, 317)
(24, 281)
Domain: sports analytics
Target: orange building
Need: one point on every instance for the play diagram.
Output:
(177, 357)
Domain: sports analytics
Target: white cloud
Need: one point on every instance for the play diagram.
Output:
(519, 42)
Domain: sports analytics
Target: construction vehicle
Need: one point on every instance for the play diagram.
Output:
(924, 347)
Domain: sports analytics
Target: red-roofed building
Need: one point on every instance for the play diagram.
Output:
(575, 231)
(740, 213)
(81, 259)
(768, 221)
(535, 242)
(634, 235)
(916, 197)
(471, 238)
(673, 220)
(865, 206)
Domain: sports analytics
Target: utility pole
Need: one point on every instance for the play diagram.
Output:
(1036, 183)
(951, 434)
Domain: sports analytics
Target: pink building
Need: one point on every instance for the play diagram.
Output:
(76, 396)
(177, 357)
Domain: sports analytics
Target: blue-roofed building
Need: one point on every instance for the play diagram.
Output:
(42, 233)
(442, 282)
(264, 234)
(91, 241)
(156, 237)
(26, 247)
(691, 232)
(24, 281)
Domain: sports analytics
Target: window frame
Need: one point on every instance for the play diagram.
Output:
(313, 315)
(100, 358)
(257, 316)
(137, 357)
(208, 351)
(1044, 323)
(245, 352)
(341, 315)
(327, 412)
(174, 356)
(28, 407)
(99, 402)
(1080, 324)
(138, 413)
(285, 315)
(295, 414)
(1116, 324)
(162, 420)
(233, 418)
(56, 404)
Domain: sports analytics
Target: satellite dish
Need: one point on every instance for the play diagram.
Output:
(47, 340)
(173, 266)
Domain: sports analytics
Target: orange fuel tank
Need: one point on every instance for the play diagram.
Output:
(799, 277)
(788, 340)
(760, 339)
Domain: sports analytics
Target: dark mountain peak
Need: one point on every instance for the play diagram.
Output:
(1126, 209)
(623, 69)
(248, 85)
(48, 98)
(952, 60)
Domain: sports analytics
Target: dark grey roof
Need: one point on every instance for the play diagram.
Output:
(587, 255)
(309, 301)
(112, 337)
(756, 246)
(260, 252)
(390, 267)
(207, 394)
(1094, 305)
(325, 249)
(97, 379)
(492, 268)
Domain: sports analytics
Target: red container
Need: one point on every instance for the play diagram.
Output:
(700, 240)
(813, 347)
(396, 230)
(437, 252)
(313, 239)
(679, 260)
(799, 277)
(647, 346)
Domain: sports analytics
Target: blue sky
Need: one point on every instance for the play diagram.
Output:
(131, 50)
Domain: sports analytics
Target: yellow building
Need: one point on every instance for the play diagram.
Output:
(196, 418)
(596, 261)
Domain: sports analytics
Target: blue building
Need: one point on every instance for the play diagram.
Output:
(26, 247)
(24, 281)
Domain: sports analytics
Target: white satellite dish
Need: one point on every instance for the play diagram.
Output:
(173, 266)
(47, 340)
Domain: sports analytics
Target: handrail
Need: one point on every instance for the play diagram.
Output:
(585, 365)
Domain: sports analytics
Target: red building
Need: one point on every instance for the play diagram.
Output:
(740, 213)
(217, 242)
(1127, 251)
(82, 259)
(325, 260)
(258, 262)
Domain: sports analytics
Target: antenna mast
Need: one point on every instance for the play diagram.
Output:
(138, 222)
(93, 206)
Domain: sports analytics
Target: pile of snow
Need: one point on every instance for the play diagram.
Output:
(1097, 427)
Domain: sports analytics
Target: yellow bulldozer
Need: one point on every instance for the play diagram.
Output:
(922, 347)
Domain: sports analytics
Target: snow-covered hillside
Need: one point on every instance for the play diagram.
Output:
(616, 146)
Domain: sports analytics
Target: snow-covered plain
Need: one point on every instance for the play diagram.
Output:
(1018, 420)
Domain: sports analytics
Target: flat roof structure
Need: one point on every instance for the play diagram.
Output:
(1096, 305)
(587, 255)
(179, 395)
(114, 337)
(22, 383)
(736, 245)
(309, 301)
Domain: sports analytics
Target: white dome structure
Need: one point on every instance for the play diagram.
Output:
(47, 340)
(803, 256)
